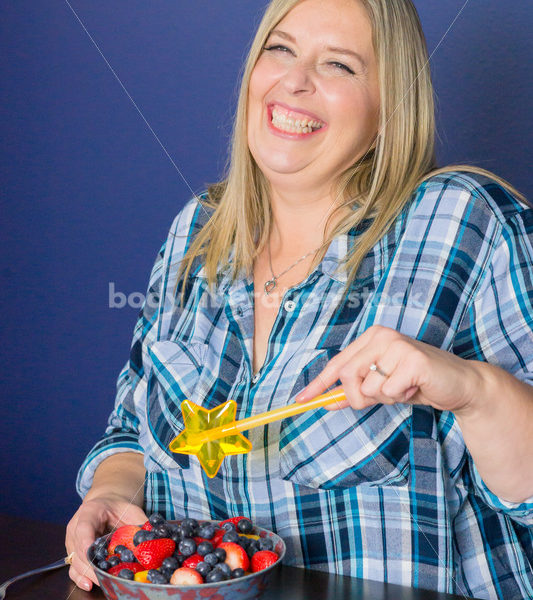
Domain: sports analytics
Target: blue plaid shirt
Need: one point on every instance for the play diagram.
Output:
(388, 493)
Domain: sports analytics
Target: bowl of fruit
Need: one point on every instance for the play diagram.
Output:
(186, 560)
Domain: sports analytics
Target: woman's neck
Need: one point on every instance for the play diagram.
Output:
(300, 222)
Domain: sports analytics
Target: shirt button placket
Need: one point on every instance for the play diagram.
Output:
(289, 305)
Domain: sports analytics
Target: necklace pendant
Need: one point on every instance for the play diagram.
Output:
(269, 286)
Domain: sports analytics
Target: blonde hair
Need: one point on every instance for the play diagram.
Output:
(378, 185)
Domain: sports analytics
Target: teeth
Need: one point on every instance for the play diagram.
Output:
(286, 123)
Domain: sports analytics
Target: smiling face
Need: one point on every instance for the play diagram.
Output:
(313, 98)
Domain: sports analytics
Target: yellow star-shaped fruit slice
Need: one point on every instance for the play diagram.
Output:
(199, 420)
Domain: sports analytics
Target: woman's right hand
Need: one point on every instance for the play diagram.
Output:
(96, 516)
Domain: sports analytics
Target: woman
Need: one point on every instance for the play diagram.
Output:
(333, 251)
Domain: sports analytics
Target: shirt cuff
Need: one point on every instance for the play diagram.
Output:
(113, 444)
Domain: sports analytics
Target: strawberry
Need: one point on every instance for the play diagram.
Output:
(236, 556)
(147, 526)
(217, 538)
(199, 540)
(151, 553)
(135, 567)
(233, 520)
(263, 559)
(123, 536)
(193, 561)
(186, 576)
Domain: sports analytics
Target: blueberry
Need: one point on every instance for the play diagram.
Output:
(119, 549)
(266, 543)
(211, 559)
(179, 557)
(174, 532)
(98, 544)
(204, 548)
(155, 519)
(161, 530)
(245, 526)
(114, 561)
(90, 553)
(231, 536)
(176, 537)
(253, 547)
(236, 573)
(166, 572)
(229, 526)
(171, 562)
(186, 531)
(139, 537)
(203, 568)
(127, 556)
(155, 576)
(142, 536)
(101, 541)
(243, 541)
(220, 553)
(100, 554)
(192, 523)
(173, 527)
(225, 568)
(126, 574)
(187, 547)
(207, 531)
(104, 565)
(215, 576)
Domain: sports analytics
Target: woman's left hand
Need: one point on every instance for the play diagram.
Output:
(407, 371)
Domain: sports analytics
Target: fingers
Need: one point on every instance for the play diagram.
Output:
(93, 518)
(406, 371)
(373, 341)
(324, 380)
(394, 377)
(81, 533)
(79, 573)
(131, 514)
(379, 367)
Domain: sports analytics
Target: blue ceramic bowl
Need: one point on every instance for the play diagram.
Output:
(244, 588)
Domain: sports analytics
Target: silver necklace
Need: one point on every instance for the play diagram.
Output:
(273, 282)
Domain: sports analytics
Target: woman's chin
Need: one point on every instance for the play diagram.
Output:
(288, 171)
(291, 180)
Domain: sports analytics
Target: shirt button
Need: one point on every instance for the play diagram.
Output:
(255, 378)
(290, 305)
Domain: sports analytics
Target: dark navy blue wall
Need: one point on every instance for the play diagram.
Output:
(88, 192)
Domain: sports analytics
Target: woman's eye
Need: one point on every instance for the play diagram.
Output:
(277, 47)
(342, 67)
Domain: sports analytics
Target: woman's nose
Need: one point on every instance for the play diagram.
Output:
(299, 79)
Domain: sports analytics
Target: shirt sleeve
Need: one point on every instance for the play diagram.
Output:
(122, 432)
(498, 329)
(128, 418)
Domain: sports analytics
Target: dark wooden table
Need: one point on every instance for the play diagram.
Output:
(26, 544)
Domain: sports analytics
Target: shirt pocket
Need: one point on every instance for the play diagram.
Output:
(175, 371)
(339, 449)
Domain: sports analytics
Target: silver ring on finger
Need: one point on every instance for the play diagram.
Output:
(376, 369)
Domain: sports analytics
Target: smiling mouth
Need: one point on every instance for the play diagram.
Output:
(289, 123)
